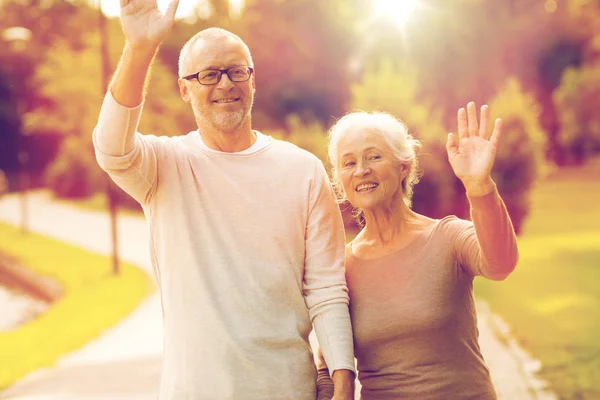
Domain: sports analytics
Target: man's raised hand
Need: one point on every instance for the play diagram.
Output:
(144, 25)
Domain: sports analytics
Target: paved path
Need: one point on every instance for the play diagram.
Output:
(124, 362)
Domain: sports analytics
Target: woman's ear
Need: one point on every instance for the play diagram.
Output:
(404, 170)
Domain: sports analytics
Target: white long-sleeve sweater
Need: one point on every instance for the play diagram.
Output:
(248, 249)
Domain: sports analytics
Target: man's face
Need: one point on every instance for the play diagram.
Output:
(226, 105)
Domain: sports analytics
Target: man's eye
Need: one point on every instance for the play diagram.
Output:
(209, 75)
(237, 72)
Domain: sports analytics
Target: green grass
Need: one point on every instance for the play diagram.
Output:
(552, 300)
(93, 300)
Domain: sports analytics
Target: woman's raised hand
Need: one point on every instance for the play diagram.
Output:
(473, 153)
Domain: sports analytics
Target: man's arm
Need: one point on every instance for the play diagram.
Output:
(326, 293)
(145, 27)
(130, 160)
(343, 384)
(340, 386)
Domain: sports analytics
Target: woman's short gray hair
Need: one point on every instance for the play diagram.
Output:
(402, 144)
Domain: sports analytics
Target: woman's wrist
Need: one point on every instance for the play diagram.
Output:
(480, 187)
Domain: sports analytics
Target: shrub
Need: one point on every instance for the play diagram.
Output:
(576, 104)
(520, 158)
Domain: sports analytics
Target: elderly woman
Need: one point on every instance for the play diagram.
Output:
(410, 277)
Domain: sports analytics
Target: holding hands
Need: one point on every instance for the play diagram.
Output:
(144, 25)
(472, 155)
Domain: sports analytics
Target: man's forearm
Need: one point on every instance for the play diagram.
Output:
(343, 384)
(128, 83)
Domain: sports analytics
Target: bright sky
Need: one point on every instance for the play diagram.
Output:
(111, 7)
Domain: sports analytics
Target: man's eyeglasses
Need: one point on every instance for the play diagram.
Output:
(213, 76)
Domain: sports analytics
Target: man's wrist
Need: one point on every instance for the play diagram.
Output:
(144, 52)
(343, 382)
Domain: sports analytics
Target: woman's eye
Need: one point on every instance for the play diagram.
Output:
(375, 157)
(348, 164)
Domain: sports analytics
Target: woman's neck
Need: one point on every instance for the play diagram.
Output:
(388, 224)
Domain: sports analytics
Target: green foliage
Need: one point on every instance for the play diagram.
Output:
(512, 102)
(301, 59)
(165, 112)
(92, 301)
(9, 123)
(576, 104)
(75, 173)
(71, 82)
(520, 158)
(393, 87)
(311, 136)
(552, 297)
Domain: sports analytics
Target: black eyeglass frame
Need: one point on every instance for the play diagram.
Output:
(221, 72)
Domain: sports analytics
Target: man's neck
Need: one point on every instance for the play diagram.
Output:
(228, 142)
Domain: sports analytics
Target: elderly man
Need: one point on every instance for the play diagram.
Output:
(246, 238)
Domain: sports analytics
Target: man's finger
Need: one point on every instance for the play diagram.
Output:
(172, 9)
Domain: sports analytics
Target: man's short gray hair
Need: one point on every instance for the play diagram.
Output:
(209, 33)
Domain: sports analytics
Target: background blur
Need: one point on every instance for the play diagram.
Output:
(535, 62)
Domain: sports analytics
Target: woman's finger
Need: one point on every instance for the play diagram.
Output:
(472, 119)
(483, 122)
(497, 133)
(463, 129)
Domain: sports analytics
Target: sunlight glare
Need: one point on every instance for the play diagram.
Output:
(396, 10)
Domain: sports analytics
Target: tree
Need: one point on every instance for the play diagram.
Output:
(9, 125)
(392, 86)
(576, 105)
(70, 81)
(520, 159)
(301, 59)
(311, 136)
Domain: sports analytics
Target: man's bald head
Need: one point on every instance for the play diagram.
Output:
(187, 51)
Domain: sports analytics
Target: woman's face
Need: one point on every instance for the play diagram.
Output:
(369, 172)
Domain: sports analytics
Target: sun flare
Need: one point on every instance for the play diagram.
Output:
(397, 10)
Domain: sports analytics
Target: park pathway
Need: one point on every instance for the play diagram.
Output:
(124, 362)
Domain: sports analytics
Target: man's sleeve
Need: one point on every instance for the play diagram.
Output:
(128, 157)
(325, 290)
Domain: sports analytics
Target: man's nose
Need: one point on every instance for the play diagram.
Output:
(225, 82)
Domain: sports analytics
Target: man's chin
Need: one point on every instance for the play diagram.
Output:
(229, 121)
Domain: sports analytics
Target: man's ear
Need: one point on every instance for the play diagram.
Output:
(253, 83)
(184, 90)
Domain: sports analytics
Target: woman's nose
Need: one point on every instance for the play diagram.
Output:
(362, 170)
